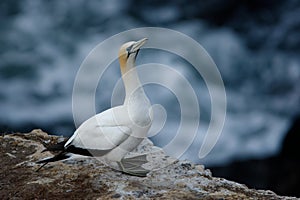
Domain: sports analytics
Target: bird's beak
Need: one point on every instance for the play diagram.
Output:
(137, 45)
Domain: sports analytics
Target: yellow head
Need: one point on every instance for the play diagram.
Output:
(128, 53)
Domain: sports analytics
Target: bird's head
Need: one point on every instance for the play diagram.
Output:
(128, 53)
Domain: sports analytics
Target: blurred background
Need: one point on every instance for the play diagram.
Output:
(255, 44)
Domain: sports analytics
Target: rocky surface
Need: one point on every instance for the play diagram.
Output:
(88, 178)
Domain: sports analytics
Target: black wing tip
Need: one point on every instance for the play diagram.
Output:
(60, 146)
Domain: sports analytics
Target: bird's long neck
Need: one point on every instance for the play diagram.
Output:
(131, 80)
(136, 101)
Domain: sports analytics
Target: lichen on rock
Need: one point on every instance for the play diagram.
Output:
(88, 178)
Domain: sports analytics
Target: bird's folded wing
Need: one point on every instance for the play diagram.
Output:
(100, 137)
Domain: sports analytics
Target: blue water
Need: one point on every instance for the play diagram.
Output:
(255, 45)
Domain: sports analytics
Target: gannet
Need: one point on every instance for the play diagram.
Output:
(113, 133)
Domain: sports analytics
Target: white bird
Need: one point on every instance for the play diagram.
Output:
(118, 130)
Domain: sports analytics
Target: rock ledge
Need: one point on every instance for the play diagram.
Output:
(90, 179)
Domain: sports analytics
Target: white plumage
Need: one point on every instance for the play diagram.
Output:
(116, 131)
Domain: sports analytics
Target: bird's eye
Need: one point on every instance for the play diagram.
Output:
(129, 48)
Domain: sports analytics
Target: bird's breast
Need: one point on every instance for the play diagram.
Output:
(139, 110)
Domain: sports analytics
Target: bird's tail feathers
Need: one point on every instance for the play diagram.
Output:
(60, 156)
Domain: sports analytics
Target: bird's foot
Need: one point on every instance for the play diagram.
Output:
(133, 165)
